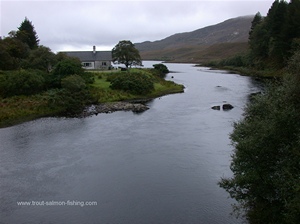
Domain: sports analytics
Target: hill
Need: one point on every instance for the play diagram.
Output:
(208, 43)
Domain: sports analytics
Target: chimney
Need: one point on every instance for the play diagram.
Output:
(94, 49)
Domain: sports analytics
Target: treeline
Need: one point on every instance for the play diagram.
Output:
(266, 159)
(275, 38)
(272, 39)
(27, 68)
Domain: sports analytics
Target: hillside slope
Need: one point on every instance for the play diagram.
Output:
(202, 44)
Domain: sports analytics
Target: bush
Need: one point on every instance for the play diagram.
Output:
(64, 68)
(68, 66)
(73, 83)
(162, 69)
(132, 82)
(24, 82)
(69, 102)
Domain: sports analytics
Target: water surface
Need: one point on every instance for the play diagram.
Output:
(161, 166)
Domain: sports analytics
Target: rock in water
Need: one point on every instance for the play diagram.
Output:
(112, 107)
(227, 106)
(216, 107)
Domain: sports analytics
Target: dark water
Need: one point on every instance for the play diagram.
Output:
(161, 166)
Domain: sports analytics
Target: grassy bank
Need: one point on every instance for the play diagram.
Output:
(240, 64)
(18, 109)
(264, 74)
(106, 94)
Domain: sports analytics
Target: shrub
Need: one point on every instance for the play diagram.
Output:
(73, 83)
(162, 68)
(24, 82)
(66, 67)
(132, 82)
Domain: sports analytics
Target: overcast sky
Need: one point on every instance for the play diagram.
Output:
(78, 25)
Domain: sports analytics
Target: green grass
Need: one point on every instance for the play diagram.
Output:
(106, 94)
(19, 109)
(100, 82)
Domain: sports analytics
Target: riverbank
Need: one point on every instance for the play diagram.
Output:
(18, 109)
(246, 71)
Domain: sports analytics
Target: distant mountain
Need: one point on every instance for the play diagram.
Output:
(202, 44)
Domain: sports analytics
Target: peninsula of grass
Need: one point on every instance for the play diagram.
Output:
(56, 102)
(105, 93)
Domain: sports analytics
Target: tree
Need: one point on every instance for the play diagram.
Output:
(26, 33)
(276, 22)
(259, 44)
(256, 20)
(125, 53)
(272, 38)
(293, 24)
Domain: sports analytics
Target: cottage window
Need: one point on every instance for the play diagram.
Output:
(104, 63)
(87, 64)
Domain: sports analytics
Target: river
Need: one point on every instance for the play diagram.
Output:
(160, 167)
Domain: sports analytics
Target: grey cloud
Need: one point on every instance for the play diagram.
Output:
(63, 25)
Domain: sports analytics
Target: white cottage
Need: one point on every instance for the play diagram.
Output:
(93, 59)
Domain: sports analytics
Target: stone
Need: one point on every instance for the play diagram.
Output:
(112, 107)
(216, 107)
(227, 106)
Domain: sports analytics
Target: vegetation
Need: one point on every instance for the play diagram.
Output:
(125, 53)
(133, 82)
(154, 86)
(162, 69)
(35, 82)
(265, 163)
(26, 34)
(272, 40)
(266, 159)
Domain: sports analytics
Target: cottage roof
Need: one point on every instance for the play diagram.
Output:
(90, 55)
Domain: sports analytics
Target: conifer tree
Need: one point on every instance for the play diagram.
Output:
(256, 20)
(293, 25)
(27, 34)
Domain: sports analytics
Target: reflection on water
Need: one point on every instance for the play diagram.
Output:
(161, 166)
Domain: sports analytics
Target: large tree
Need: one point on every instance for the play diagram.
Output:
(26, 33)
(126, 53)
